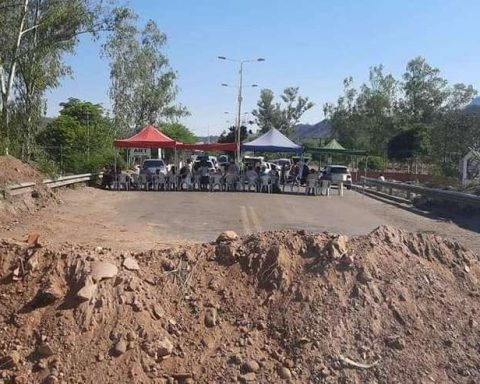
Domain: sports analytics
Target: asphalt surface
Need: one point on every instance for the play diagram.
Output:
(144, 220)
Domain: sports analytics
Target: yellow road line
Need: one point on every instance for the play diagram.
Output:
(255, 219)
(244, 220)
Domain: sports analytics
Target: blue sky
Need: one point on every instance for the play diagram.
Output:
(313, 44)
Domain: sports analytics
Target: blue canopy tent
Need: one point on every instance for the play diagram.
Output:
(272, 141)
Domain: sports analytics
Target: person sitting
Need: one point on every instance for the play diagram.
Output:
(251, 178)
(263, 171)
(251, 174)
(204, 176)
(107, 178)
(172, 178)
(232, 169)
(275, 177)
(311, 182)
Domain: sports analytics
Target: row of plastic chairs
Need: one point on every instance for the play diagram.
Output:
(193, 182)
(263, 183)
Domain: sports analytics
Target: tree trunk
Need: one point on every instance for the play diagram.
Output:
(7, 89)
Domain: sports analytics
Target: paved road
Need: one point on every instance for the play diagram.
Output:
(143, 220)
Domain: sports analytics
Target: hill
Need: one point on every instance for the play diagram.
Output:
(475, 101)
(319, 130)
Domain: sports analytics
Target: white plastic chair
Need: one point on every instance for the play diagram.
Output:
(160, 182)
(122, 182)
(230, 181)
(295, 183)
(172, 183)
(265, 184)
(252, 182)
(312, 186)
(325, 187)
(216, 181)
(196, 181)
(187, 182)
(143, 182)
(134, 177)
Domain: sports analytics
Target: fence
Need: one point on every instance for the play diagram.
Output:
(400, 176)
(18, 189)
(408, 192)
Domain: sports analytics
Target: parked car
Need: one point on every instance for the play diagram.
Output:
(337, 174)
(151, 166)
(212, 159)
(211, 167)
(281, 162)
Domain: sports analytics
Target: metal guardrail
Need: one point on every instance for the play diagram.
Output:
(18, 189)
(413, 190)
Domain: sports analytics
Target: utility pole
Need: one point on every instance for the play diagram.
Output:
(239, 100)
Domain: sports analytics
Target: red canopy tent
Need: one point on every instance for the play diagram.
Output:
(214, 147)
(148, 137)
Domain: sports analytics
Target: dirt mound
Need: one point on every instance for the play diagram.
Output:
(390, 307)
(14, 171)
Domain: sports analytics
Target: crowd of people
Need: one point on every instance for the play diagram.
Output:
(200, 175)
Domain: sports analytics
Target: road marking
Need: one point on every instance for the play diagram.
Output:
(244, 220)
(255, 219)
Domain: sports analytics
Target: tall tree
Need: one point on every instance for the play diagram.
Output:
(295, 107)
(409, 144)
(369, 117)
(80, 139)
(34, 34)
(268, 113)
(425, 91)
(230, 135)
(143, 86)
(282, 117)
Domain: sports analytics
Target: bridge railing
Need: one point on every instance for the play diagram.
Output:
(409, 191)
(18, 189)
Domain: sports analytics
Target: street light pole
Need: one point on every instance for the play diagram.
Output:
(240, 99)
(239, 124)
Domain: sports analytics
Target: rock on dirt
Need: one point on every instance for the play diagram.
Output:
(131, 264)
(103, 270)
(165, 347)
(88, 290)
(251, 366)
(45, 350)
(211, 317)
(248, 377)
(10, 361)
(285, 373)
(120, 348)
(227, 236)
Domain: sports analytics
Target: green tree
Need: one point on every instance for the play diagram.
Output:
(425, 91)
(143, 89)
(268, 114)
(179, 133)
(230, 135)
(365, 118)
(376, 116)
(411, 144)
(456, 131)
(282, 117)
(34, 34)
(80, 139)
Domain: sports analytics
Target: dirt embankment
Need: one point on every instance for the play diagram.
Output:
(14, 171)
(389, 307)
